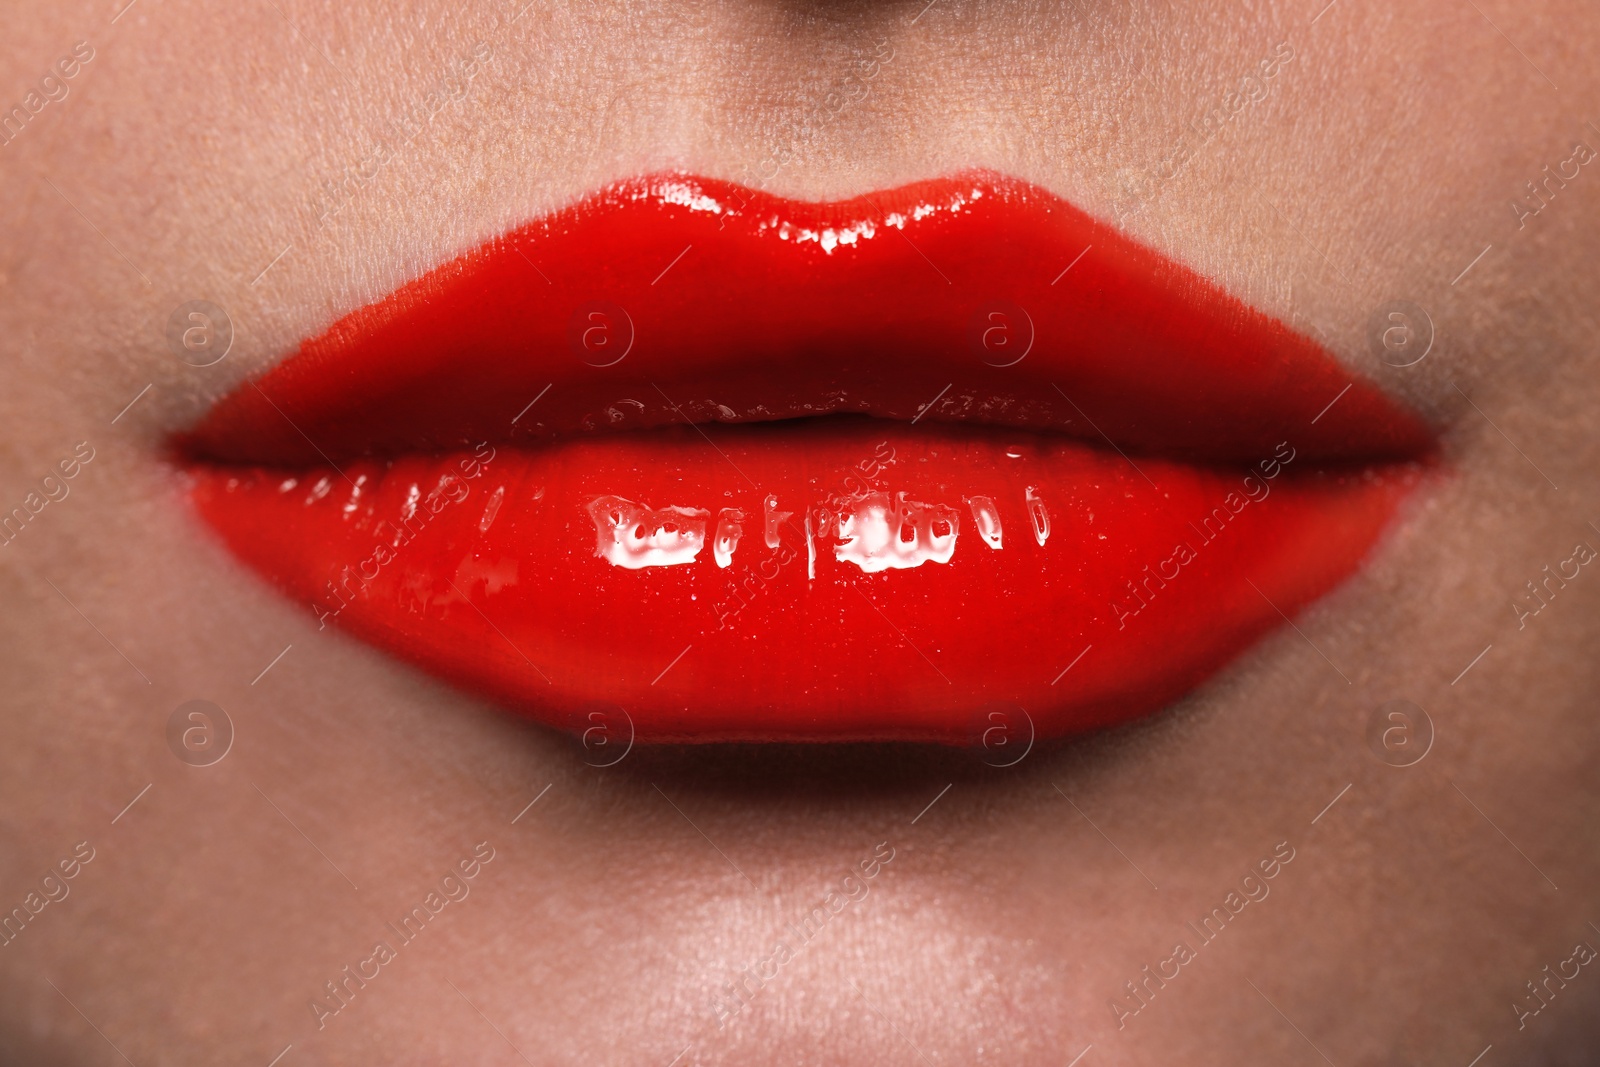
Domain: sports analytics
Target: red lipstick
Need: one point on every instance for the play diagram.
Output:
(754, 469)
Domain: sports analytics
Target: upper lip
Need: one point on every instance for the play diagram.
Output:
(975, 299)
(671, 300)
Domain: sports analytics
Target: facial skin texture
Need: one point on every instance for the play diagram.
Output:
(189, 160)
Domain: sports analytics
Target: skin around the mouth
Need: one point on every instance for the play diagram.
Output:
(234, 157)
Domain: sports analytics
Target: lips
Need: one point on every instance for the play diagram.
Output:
(731, 467)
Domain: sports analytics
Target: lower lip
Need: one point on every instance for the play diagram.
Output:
(1011, 572)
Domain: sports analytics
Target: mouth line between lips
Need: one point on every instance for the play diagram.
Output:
(186, 450)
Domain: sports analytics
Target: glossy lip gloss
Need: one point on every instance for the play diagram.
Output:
(754, 469)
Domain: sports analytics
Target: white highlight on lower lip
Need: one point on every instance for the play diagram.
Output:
(884, 532)
(730, 527)
(811, 550)
(355, 495)
(875, 530)
(491, 509)
(635, 536)
(986, 517)
(772, 519)
(1040, 516)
